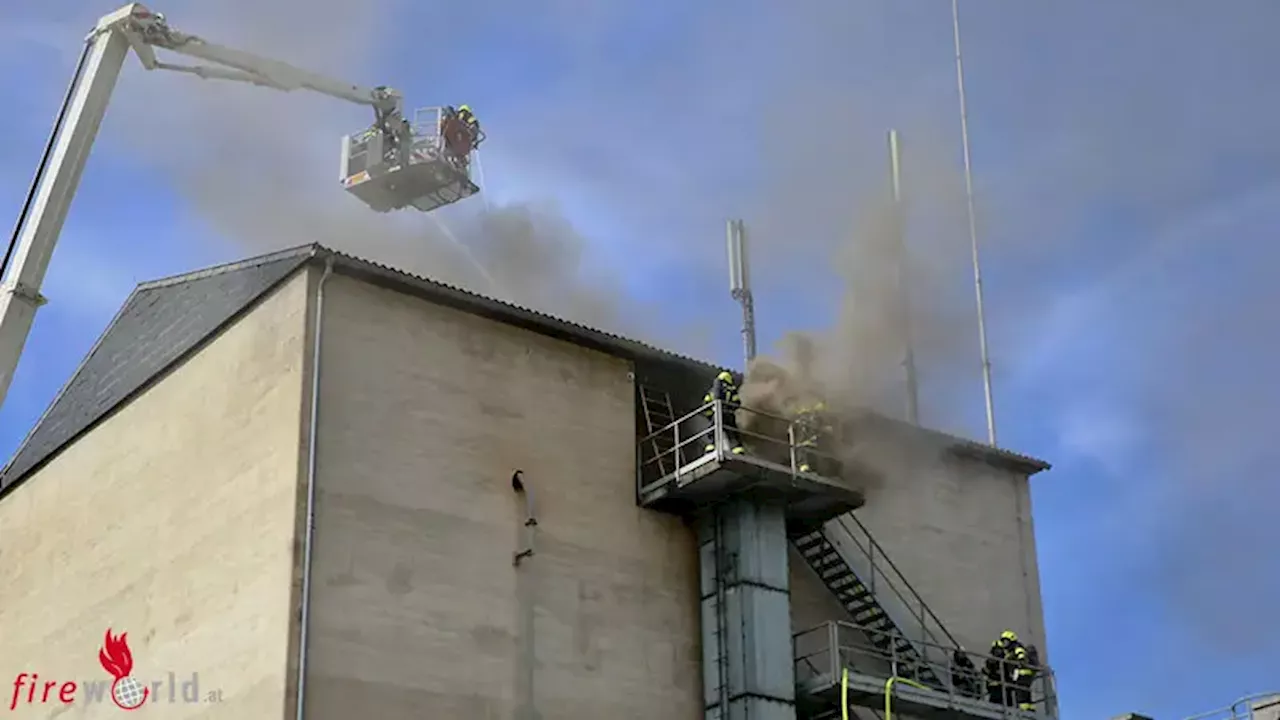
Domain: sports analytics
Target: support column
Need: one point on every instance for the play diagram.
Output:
(747, 655)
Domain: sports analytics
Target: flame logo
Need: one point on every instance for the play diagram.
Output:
(117, 659)
(115, 655)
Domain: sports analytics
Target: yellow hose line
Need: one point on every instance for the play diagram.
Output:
(888, 693)
(844, 695)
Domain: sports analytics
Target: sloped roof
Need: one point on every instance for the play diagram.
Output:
(160, 323)
(164, 321)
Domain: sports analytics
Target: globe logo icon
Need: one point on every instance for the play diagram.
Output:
(128, 692)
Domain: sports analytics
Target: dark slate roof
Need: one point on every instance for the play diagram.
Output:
(165, 320)
(160, 323)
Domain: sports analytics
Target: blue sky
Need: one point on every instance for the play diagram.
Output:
(1128, 184)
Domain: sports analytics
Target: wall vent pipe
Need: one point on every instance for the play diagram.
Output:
(308, 540)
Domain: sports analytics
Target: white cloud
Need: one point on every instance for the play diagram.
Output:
(1098, 431)
(84, 283)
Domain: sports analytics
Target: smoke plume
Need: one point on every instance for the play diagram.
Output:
(260, 167)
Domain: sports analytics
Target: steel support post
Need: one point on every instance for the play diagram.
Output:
(748, 659)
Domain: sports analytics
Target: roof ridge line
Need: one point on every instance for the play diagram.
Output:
(255, 261)
(93, 349)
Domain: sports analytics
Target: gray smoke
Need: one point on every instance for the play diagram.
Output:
(260, 167)
(894, 292)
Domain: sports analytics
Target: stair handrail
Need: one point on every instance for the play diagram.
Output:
(848, 653)
(925, 610)
(1234, 708)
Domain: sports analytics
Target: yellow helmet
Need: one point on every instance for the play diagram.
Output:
(819, 406)
(725, 375)
(1009, 635)
(464, 108)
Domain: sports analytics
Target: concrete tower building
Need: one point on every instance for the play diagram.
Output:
(420, 502)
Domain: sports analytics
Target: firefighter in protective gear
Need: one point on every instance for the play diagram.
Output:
(468, 119)
(809, 428)
(725, 390)
(461, 133)
(998, 668)
(1026, 660)
(964, 674)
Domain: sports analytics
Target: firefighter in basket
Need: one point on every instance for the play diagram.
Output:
(461, 133)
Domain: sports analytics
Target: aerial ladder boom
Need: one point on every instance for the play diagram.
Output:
(394, 164)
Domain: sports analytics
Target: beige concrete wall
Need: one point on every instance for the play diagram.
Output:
(418, 610)
(1268, 709)
(172, 521)
(961, 533)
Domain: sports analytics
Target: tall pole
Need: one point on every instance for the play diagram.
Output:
(973, 228)
(904, 288)
(740, 285)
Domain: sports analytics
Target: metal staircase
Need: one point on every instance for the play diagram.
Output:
(861, 604)
(895, 649)
(878, 597)
(656, 406)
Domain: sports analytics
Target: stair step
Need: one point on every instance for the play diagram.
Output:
(824, 565)
(849, 589)
(848, 584)
(857, 603)
(804, 542)
(865, 612)
(830, 558)
(843, 580)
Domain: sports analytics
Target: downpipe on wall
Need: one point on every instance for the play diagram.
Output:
(304, 614)
(530, 520)
(526, 599)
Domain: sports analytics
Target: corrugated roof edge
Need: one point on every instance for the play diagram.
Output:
(999, 456)
(607, 342)
(520, 316)
(973, 449)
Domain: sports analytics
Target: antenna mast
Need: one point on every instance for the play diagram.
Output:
(740, 285)
(973, 228)
(904, 288)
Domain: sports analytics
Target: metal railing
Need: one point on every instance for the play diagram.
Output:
(891, 589)
(823, 652)
(776, 441)
(1262, 705)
